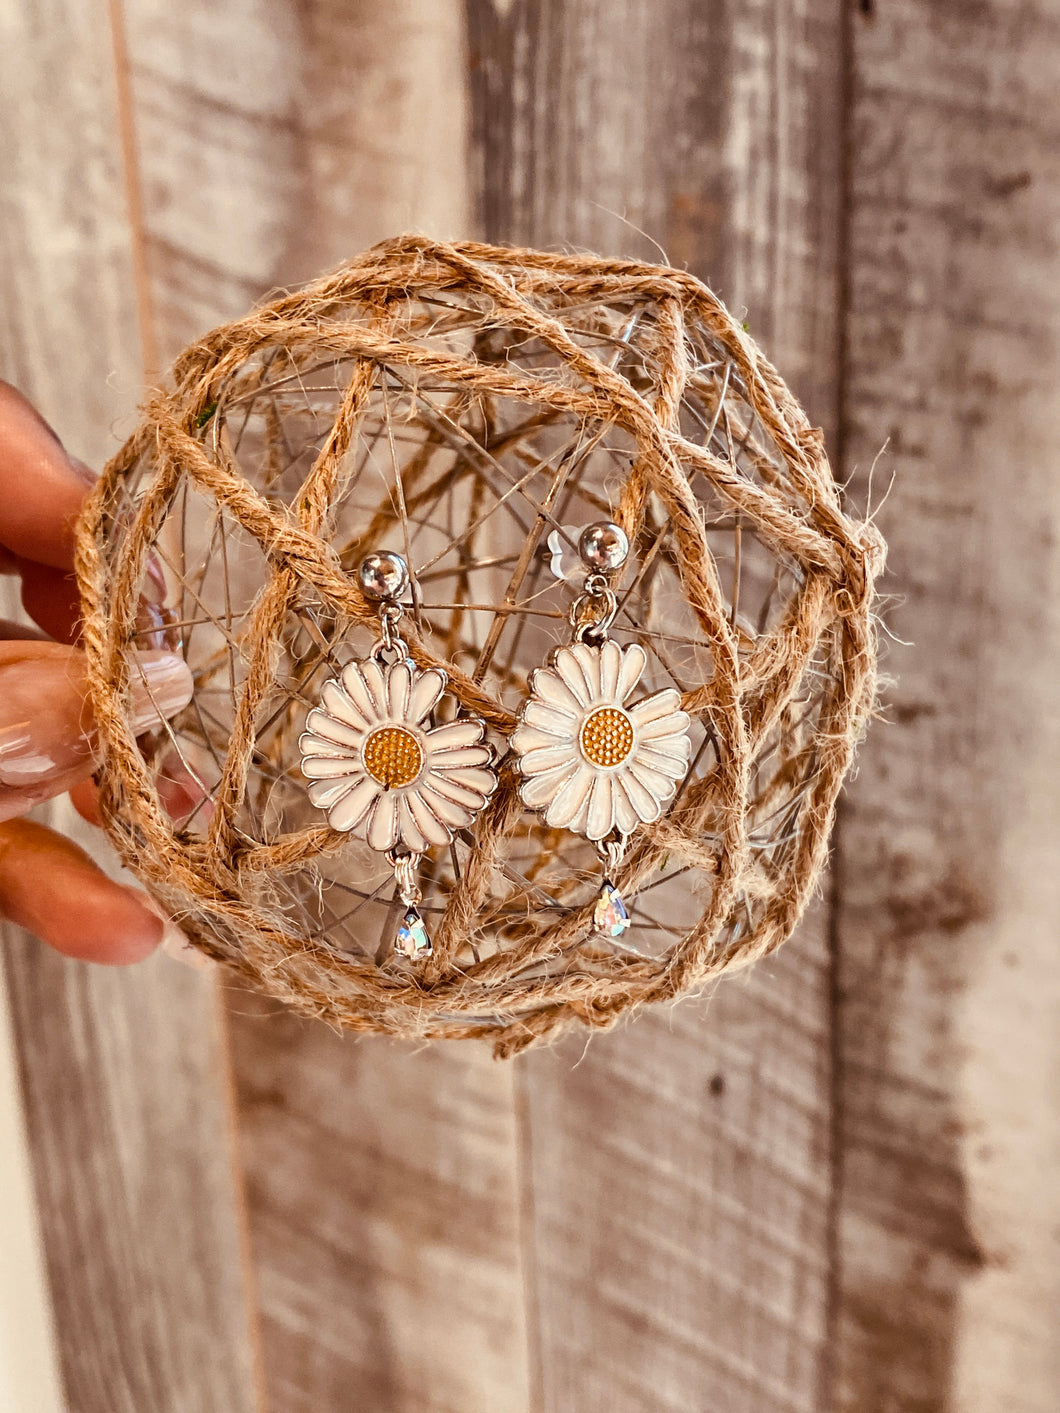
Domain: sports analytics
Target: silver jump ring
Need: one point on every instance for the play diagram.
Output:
(601, 602)
(611, 852)
(404, 866)
(389, 640)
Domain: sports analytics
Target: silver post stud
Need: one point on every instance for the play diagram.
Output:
(383, 575)
(603, 546)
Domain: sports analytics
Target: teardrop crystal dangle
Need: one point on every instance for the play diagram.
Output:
(413, 940)
(610, 917)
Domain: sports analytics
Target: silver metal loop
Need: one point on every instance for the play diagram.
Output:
(396, 651)
(611, 852)
(405, 866)
(593, 612)
(389, 640)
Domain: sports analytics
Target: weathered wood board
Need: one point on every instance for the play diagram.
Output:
(947, 882)
(828, 1186)
(29, 1349)
(123, 1073)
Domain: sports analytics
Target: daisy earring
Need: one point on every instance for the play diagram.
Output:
(590, 763)
(377, 767)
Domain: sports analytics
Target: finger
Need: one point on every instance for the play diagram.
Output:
(17, 800)
(178, 790)
(10, 629)
(180, 793)
(52, 600)
(53, 889)
(41, 490)
(85, 799)
(48, 740)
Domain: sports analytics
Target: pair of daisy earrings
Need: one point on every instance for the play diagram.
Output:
(588, 762)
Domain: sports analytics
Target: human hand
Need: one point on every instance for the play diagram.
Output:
(47, 738)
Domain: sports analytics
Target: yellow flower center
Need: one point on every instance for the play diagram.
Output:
(393, 757)
(606, 737)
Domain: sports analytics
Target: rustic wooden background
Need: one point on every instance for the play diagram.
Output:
(831, 1187)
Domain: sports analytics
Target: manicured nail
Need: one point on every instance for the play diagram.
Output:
(46, 728)
(154, 588)
(161, 685)
(81, 469)
(174, 943)
(150, 625)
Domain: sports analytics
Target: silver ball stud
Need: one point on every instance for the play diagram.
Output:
(383, 575)
(603, 546)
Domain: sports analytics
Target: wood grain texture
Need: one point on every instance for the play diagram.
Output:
(122, 1072)
(278, 138)
(384, 1201)
(947, 881)
(29, 1349)
(382, 1184)
(123, 1079)
(678, 1171)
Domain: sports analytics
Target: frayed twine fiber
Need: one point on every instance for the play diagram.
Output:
(460, 403)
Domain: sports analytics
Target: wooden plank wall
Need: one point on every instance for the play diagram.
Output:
(124, 1074)
(829, 1188)
(946, 918)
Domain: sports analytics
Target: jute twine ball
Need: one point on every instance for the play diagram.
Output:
(464, 405)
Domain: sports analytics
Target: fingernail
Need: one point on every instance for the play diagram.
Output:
(46, 728)
(161, 685)
(154, 587)
(174, 943)
(150, 624)
(81, 469)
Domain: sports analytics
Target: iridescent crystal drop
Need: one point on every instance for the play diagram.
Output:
(413, 940)
(609, 914)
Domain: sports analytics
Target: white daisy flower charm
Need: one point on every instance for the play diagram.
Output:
(589, 762)
(379, 771)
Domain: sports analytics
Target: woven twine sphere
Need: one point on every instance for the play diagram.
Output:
(460, 404)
